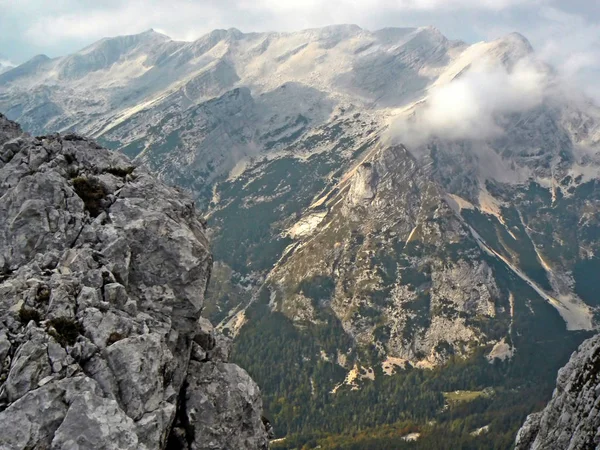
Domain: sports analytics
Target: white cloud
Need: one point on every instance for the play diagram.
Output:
(564, 33)
(65, 20)
(572, 45)
(177, 18)
(5, 62)
(473, 106)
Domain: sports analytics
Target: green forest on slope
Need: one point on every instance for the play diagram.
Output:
(296, 383)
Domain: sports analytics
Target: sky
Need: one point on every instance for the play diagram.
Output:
(565, 32)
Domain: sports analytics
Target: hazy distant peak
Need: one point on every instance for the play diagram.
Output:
(340, 31)
(430, 29)
(153, 32)
(24, 69)
(128, 40)
(220, 34)
(392, 33)
(39, 58)
(343, 28)
(515, 42)
(432, 34)
(207, 41)
(235, 33)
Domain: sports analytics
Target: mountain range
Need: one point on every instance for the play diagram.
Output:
(379, 203)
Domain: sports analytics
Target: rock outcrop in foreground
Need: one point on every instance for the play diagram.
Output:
(571, 420)
(102, 278)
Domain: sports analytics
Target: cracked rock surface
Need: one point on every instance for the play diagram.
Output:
(102, 277)
(571, 420)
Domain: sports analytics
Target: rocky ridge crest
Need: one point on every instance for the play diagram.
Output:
(103, 271)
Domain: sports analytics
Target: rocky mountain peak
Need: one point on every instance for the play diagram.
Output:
(106, 52)
(102, 277)
(517, 39)
(511, 48)
(341, 30)
(24, 69)
(453, 249)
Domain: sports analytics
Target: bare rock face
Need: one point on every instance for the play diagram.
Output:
(571, 420)
(217, 394)
(392, 252)
(102, 278)
(364, 184)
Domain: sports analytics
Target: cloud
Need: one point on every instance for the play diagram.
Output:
(572, 45)
(67, 20)
(564, 33)
(474, 105)
(5, 62)
(178, 18)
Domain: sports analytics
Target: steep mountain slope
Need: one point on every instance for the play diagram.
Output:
(395, 264)
(570, 420)
(123, 89)
(102, 278)
(378, 201)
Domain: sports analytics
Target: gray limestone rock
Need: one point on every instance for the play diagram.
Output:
(364, 184)
(31, 421)
(571, 420)
(222, 348)
(223, 405)
(140, 365)
(93, 422)
(30, 365)
(205, 334)
(102, 278)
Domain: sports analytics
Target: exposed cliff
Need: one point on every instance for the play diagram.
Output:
(571, 420)
(422, 306)
(102, 278)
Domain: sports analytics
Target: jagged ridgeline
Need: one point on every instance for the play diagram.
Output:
(102, 277)
(389, 280)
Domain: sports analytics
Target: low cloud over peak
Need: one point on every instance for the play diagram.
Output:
(474, 103)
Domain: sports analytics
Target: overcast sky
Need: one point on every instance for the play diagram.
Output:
(566, 32)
